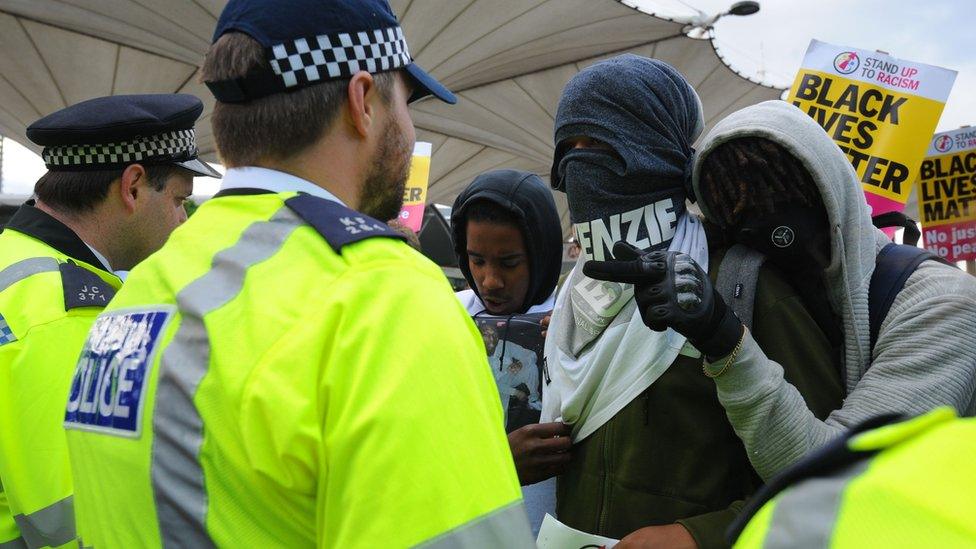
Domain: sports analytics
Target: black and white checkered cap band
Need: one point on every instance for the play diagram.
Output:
(179, 144)
(326, 57)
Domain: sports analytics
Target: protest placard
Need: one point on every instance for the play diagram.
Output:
(946, 195)
(878, 109)
(415, 191)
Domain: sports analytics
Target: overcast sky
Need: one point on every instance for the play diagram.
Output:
(771, 43)
(770, 46)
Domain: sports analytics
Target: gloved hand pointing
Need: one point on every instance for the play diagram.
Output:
(672, 291)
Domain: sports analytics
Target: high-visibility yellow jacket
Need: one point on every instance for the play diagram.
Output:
(50, 293)
(909, 484)
(285, 373)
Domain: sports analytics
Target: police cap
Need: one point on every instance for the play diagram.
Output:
(313, 41)
(119, 130)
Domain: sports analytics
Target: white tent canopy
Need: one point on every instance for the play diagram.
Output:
(506, 59)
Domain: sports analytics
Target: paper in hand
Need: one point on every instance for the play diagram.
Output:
(556, 535)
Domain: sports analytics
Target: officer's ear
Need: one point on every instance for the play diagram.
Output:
(134, 181)
(361, 105)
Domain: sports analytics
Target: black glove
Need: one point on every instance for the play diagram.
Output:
(673, 292)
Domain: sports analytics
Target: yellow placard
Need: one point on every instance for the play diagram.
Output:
(879, 130)
(415, 190)
(947, 195)
(947, 189)
(878, 109)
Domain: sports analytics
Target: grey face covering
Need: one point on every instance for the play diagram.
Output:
(606, 204)
(635, 190)
(631, 188)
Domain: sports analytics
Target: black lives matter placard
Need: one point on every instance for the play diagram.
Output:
(947, 195)
(878, 109)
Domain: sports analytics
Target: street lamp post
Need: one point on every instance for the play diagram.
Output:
(697, 26)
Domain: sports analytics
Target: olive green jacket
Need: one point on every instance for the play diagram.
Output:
(671, 455)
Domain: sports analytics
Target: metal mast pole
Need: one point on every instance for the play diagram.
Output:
(1, 163)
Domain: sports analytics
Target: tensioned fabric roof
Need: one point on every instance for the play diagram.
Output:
(506, 59)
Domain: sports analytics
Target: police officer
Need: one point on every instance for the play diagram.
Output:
(884, 484)
(289, 372)
(119, 169)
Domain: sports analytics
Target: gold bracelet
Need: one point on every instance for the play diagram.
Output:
(729, 361)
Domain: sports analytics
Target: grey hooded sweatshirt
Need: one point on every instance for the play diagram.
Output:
(925, 355)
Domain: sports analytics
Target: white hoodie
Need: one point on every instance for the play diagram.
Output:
(925, 355)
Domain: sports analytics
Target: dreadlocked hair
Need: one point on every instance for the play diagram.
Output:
(755, 175)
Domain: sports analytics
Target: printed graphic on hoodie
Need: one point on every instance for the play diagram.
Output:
(514, 346)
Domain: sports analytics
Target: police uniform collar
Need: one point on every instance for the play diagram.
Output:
(101, 258)
(33, 222)
(254, 179)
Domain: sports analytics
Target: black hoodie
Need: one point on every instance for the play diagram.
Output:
(529, 198)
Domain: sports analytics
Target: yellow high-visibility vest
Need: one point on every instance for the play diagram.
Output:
(288, 374)
(909, 484)
(48, 302)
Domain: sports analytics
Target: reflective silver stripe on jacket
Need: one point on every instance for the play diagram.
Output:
(177, 475)
(25, 268)
(53, 525)
(504, 527)
(805, 514)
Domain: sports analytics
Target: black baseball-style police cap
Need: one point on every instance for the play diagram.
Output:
(313, 41)
(119, 130)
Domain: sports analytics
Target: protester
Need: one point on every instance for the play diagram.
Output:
(907, 484)
(507, 236)
(655, 460)
(119, 169)
(295, 374)
(774, 180)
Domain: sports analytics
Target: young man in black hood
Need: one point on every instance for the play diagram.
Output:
(508, 239)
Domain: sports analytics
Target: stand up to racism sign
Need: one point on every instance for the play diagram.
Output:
(878, 109)
(947, 195)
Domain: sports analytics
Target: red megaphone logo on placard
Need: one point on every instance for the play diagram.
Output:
(943, 143)
(846, 62)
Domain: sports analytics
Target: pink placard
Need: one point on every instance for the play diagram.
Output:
(954, 242)
(412, 216)
(880, 205)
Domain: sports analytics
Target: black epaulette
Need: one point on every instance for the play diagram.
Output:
(338, 225)
(83, 288)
